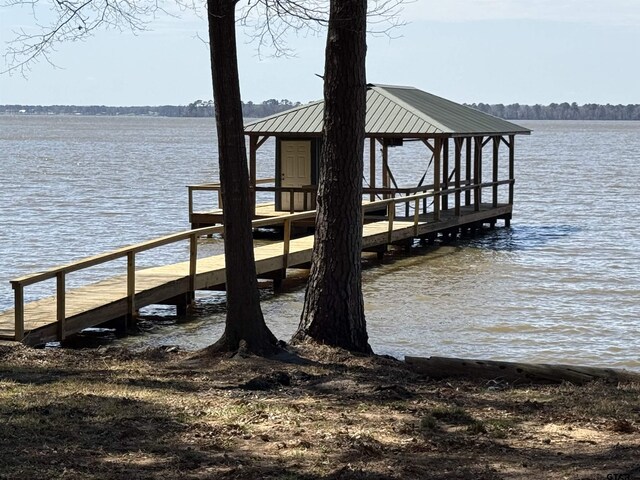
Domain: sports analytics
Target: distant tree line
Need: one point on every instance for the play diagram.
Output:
(204, 108)
(199, 108)
(561, 111)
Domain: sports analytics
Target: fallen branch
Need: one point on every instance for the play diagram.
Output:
(517, 373)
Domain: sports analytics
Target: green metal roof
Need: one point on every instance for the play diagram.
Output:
(394, 111)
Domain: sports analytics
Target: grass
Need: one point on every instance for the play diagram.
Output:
(109, 414)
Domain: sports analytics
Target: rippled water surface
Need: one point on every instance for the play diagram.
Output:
(561, 285)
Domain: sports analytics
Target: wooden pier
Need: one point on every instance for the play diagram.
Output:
(118, 299)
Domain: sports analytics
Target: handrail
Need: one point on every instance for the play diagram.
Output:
(60, 272)
(184, 235)
(215, 186)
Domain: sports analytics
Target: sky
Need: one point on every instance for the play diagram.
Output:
(491, 51)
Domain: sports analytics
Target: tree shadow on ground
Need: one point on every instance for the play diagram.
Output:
(333, 416)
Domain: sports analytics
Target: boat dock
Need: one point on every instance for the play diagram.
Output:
(453, 195)
(116, 300)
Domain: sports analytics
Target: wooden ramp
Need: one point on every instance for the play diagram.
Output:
(70, 311)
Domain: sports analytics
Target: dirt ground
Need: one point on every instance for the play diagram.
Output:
(108, 413)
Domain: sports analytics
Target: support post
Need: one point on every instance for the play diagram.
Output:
(193, 262)
(457, 154)
(19, 311)
(436, 179)
(253, 147)
(496, 154)
(372, 167)
(467, 192)
(391, 209)
(512, 179)
(416, 216)
(477, 174)
(190, 205)
(131, 288)
(445, 172)
(61, 310)
(286, 243)
(385, 168)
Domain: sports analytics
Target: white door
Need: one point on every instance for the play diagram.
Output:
(295, 171)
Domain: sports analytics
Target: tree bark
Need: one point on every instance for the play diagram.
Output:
(244, 321)
(333, 311)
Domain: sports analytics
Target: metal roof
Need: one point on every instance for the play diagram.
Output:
(394, 111)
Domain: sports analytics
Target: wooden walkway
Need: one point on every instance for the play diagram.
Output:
(118, 298)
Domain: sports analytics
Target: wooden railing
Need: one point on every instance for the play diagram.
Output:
(216, 187)
(60, 273)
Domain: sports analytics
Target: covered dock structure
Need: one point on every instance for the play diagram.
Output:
(468, 158)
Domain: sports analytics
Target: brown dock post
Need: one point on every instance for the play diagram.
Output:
(467, 192)
(61, 316)
(445, 173)
(131, 289)
(512, 139)
(457, 154)
(496, 155)
(436, 179)
(184, 303)
(19, 311)
(372, 167)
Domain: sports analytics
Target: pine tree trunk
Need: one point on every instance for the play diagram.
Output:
(333, 311)
(244, 316)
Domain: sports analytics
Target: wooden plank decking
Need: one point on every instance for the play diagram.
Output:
(107, 300)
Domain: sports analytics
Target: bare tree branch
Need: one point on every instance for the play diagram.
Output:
(270, 22)
(71, 21)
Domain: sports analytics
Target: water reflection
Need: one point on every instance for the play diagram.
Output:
(523, 237)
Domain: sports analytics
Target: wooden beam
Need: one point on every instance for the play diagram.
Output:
(385, 168)
(467, 193)
(496, 155)
(61, 310)
(131, 288)
(436, 179)
(19, 312)
(286, 242)
(457, 154)
(477, 173)
(260, 141)
(193, 262)
(512, 139)
(445, 172)
(372, 167)
(253, 147)
(429, 146)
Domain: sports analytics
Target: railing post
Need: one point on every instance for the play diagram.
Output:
(19, 311)
(190, 203)
(286, 243)
(61, 308)
(193, 262)
(131, 287)
(392, 214)
(416, 216)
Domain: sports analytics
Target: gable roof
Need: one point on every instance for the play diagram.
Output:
(394, 111)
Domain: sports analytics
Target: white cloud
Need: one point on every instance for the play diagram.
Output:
(610, 12)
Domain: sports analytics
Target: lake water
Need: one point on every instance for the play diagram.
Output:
(561, 285)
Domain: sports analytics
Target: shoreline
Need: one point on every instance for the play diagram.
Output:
(110, 413)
